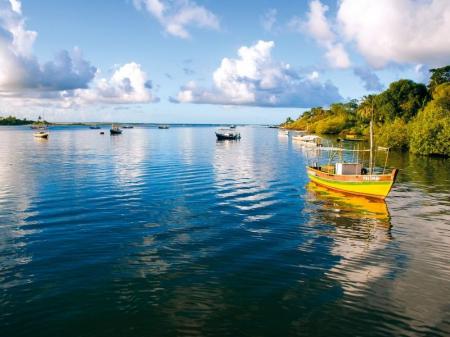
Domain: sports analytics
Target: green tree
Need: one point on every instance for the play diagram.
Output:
(439, 76)
(403, 99)
(365, 108)
(430, 130)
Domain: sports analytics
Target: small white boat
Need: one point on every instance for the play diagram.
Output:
(309, 140)
(41, 134)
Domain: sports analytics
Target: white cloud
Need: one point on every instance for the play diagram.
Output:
(68, 80)
(336, 56)
(128, 84)
(255, 79)
(319, 28)
(383, 31)
(175, 16)
(400, 31)
(317, 23)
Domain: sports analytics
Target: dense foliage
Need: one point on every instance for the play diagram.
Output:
(10, 120)
(407, 115)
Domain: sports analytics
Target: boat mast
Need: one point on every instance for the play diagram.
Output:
(371, 143)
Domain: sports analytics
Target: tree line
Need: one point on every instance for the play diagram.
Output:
(11, 120)
(407, 116)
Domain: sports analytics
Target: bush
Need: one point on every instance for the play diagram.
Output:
(393, 135)
(430, 130)
(333, 125)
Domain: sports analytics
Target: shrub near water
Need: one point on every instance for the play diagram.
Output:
(394, 135)
(430, 130)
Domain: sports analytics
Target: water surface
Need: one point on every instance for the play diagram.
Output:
(168, 232)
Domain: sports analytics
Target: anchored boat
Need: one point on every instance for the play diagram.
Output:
(352, 177)
(228, 134)
(115, 130)
(41, 134)
(308, 140)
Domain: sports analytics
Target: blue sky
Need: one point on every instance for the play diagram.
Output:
(187, 61)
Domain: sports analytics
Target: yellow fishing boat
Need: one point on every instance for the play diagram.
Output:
(369, 185)
(352, 177)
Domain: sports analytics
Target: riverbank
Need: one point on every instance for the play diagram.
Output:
(407, 116)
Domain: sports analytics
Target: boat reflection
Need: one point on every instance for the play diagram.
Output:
(352, 206)
(361, 233)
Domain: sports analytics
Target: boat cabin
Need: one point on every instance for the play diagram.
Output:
(348, 168)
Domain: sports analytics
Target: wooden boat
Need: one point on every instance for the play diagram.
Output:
(369, 185)
(128, 126)
(94, 127)
(308, 140)
(164, 127)
(227, 134)
(115, 130)
(41, 134)
(353, 178)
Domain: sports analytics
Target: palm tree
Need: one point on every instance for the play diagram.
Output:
(366, 106)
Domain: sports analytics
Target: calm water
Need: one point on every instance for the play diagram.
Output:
(168, 232)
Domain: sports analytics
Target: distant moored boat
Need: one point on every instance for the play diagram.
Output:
(115, 130)
(230, 134)
(41, 134)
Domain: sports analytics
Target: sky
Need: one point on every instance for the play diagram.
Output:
(209, 61)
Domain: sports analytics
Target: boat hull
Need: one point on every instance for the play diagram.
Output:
(115, 132)
(373, 186)
(41, 135)
(227, 137)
